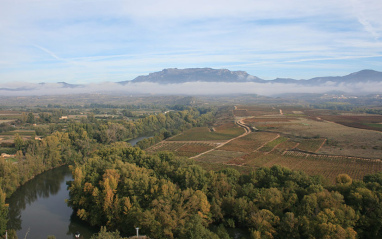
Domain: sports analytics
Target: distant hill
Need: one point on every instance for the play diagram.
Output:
(177, 76)
(208, 81)
(356, 77)
(67, 85)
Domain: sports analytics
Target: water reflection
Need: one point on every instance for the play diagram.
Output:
(42, 185)
(40, 206)
(134, 141)
(77, 225)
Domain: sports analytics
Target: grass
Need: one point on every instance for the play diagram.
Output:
(7, 150)
(13, 160)
(280, 119)
(329, 167)
(10, 117)
(270, 145)
(307, 134)
(249, 142)
(310, 145)
(182, 149)
(165, 147)
(20, 132)
(286, 145)
(5, 121)
(224, 132)
(371, 122)
(192, 149)
(219, 156)
(218, 166)
(378, 125)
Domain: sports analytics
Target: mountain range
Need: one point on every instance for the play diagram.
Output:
(207, 81)
(178, 76)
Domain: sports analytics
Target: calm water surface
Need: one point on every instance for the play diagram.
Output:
(38, 208)
(133, 142)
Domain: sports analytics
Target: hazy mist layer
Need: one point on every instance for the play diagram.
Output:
(189, 88)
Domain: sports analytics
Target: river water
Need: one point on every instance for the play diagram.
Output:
(38, 208)
(133, 142)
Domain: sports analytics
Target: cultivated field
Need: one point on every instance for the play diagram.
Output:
(221, 133)
(185, 148)
(301, 139)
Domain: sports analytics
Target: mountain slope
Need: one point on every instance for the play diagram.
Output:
(356, 77)
(175, 76)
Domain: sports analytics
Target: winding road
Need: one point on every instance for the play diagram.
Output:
(239, 123)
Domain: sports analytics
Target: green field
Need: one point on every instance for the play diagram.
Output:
(20, 132)
(379, 126)
(269, 146)
(219, 156)
(5, 121)
(205, 134)
(304, 143)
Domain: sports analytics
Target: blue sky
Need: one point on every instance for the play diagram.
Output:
(93, 41)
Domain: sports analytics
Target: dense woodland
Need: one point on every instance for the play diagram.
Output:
(121, 187)
(75, 141)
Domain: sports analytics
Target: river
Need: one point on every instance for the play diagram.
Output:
(38, 208)
(133, 142)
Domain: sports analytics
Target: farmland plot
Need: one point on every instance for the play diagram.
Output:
(184, 148)
(300, 141)
(192, 149)
(165, 146)
(271, 145)
(221, 133)
(219, 156)
(341, 140)
(250, 142)
(311, 145)
(363, 121)
(327, 166)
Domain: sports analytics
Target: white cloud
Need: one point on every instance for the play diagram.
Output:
(190, 88)
(83, 41)
(368, 13)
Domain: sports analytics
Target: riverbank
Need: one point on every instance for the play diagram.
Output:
(39, 208)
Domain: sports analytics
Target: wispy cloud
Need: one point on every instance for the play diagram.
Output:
(190, 88)
(335, 58)
(87, 41)
(49, 53)
(368, 14)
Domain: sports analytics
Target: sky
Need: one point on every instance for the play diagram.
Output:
(93, 41)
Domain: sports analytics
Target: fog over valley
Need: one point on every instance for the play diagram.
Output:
(206, 81)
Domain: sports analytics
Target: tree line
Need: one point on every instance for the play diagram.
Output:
(122, 187)
(75, 141)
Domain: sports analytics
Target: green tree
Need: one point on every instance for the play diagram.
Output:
(19, 142)
(30, 118)
(104, 234)
(343, 179)
(3, 213)
(194, 229)
(265, 222)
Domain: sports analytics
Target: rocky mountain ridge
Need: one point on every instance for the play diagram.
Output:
(177, 76)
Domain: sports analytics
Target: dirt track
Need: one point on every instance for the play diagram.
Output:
(239, 123)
